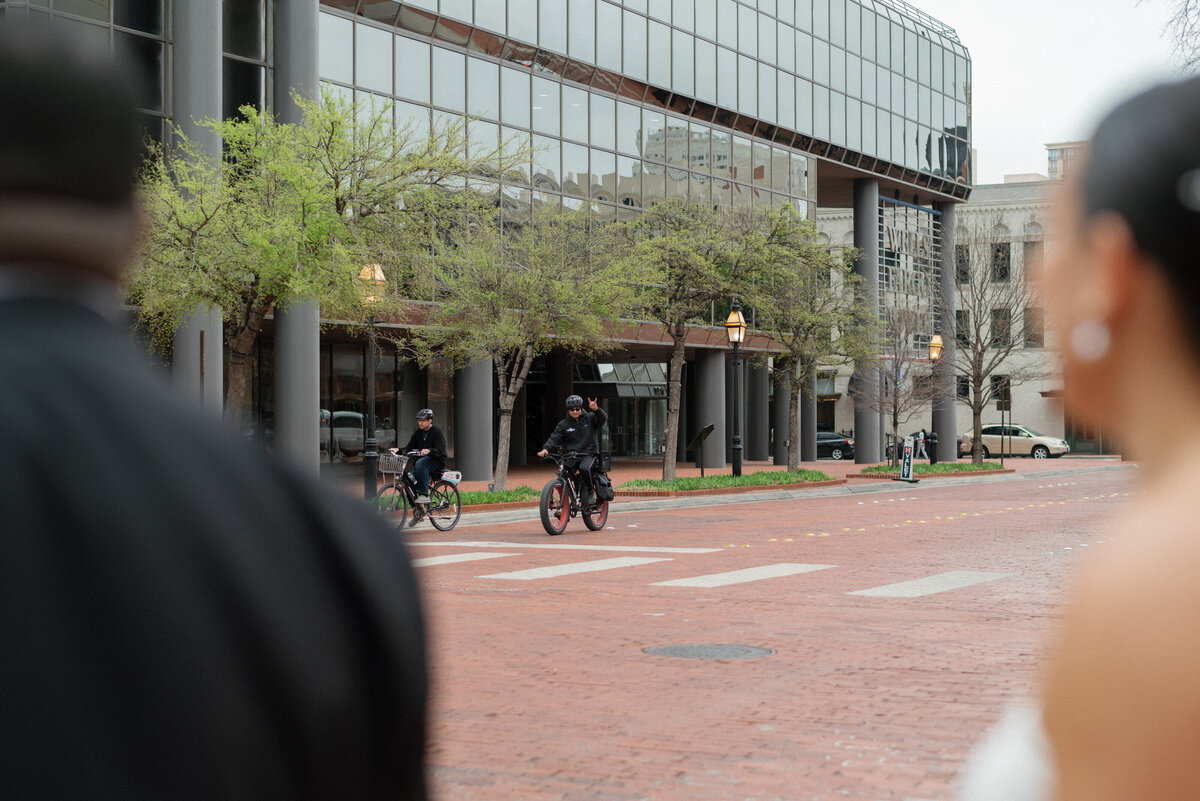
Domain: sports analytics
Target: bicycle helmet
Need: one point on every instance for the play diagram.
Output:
(574, 402)
(425, 414)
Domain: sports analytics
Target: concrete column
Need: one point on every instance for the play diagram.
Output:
(945, 413)
(297, 327)
(780, 419)
(758, 413)
(298, 384)
(474, 421)
(196, 363)
(866, 241)
(196, 76)
(412, 398)
(296, 62)
(560, 382)
(710, 406)
(808, 419)
(197, 360)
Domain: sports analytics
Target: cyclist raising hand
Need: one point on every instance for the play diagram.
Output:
(580, 432)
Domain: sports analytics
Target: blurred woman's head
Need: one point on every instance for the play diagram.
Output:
(1122, 284)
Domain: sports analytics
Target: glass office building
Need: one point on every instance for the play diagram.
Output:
(836, 103)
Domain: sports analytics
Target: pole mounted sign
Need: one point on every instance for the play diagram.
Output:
(906, 464)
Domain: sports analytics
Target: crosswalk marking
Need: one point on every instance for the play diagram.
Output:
(453, 558)
(567, 546)
(742, 576)
(576, 567)
(929, 585)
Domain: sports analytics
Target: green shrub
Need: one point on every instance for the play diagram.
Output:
(724, 482)
(477, 497)
(940, 468)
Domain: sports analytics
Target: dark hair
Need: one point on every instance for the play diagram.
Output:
(1144, 164)
(68, 128)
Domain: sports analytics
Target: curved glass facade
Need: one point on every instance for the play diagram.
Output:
(628, 103)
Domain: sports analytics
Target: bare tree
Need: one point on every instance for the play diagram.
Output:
(1183, 31)
(993, 299)
(905, 370)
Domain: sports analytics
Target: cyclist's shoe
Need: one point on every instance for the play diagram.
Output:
(422, 499)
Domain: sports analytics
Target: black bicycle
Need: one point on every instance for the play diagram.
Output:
(564, 498)
(400, 494)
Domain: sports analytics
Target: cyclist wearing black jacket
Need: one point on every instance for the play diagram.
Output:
(579, 431)
(431, 442)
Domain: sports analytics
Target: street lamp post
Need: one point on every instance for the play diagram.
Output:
(372, 276)
(935, 354)
(735, 329)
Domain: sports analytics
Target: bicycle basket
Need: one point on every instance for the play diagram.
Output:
(392, 463)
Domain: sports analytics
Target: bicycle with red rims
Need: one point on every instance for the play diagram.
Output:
(563, 497)
(399, 495)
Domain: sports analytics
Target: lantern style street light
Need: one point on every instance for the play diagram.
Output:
(735, 329)
(935, 347)
(373, 280)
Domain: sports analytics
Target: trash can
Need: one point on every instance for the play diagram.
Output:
(931, 445)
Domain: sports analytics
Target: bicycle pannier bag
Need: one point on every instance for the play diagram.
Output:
(604, 488)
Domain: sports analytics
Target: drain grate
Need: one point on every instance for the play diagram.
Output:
(696, 651)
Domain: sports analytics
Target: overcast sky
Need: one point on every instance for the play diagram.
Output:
(1046, 70)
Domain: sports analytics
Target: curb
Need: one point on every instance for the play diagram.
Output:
(923, 476)
(632, 494)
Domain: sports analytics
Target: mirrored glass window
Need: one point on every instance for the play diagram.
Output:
(727, 80)
(853, 124)
(514, 97)
(853, 28)
(799, 175)
(786, 105)
(935, 68)
(706, 18)
(910, 100)
(629, 182)
(767, 27)
(761, 154)
(581, 30)
(883, 46)
(575, 114)
(820, 62)
(821, 112)
(853, 75)
(654, 135)
(412, 69)
(603, 181)
(820, 17)
(336, 45)
(743, 169)
(242, 80)
(722, 154)
(804, 15)
(522, 20)
(241, 28)
(629, 129)
(804, 55)
(747, 86)
(547, 173)
(766, 93)
(868, 34)
(659, 9)
(699, 148)
(706, 71)
(147, 16)
(545, 106)
(868, 82)
(779, 170)
(373, 59)
(747, 31)
(910, 53)
(837, 118)
(883, 139)
(684, 14)
(483, 88)
(654, 186)
(677, 182)
(608, 36)
(635, 46)
(490, 16)
(727, 20)
(868, 130)
(552, 25)
(603, 122)
(449, 90)
(659, 70)
(804, 106)
(514, 141)
(786, 54)
(682, 80)
(837, 69)
(837, 23)
(482, 138)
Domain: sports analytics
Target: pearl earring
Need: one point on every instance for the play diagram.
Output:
(1090, 340)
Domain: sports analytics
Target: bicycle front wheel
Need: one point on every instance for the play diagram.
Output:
(445, 506)
(554, 507)
(391, 504)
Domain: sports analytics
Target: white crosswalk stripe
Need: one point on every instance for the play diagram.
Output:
(572, 568)
(565, 546)
(453, 558)
(743, 576)
(942, 582)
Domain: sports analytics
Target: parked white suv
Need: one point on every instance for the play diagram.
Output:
(342, 433)
(1016, 441)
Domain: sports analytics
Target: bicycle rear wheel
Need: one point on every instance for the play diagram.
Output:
(554, 507)
(445, 506)
(391, 504)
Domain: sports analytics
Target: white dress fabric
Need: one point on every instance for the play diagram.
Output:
(1013, 762)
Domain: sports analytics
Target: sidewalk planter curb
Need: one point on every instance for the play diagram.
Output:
(924, 476)
(725, 490)
(498, 507)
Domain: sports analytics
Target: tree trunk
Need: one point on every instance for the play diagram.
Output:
(503, 439)
(976, 433)
(794, 436)
(511, 380)
(674, 395)
(239, 395)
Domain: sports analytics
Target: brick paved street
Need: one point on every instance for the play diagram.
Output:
(543, 690)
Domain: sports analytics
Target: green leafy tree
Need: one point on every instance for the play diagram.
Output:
(696, 255)
(511, 293)
(289, 213)
(806, 301)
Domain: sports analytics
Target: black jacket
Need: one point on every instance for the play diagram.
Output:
(433, 439)
(578, 435)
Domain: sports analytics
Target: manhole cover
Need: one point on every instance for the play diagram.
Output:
(708, 651)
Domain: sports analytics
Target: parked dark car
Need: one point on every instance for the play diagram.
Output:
(834, 446)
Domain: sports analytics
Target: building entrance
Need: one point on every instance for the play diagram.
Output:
(635, 426)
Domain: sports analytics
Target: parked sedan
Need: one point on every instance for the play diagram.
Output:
(835, 446)
(1017, 441)
(344, 431)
